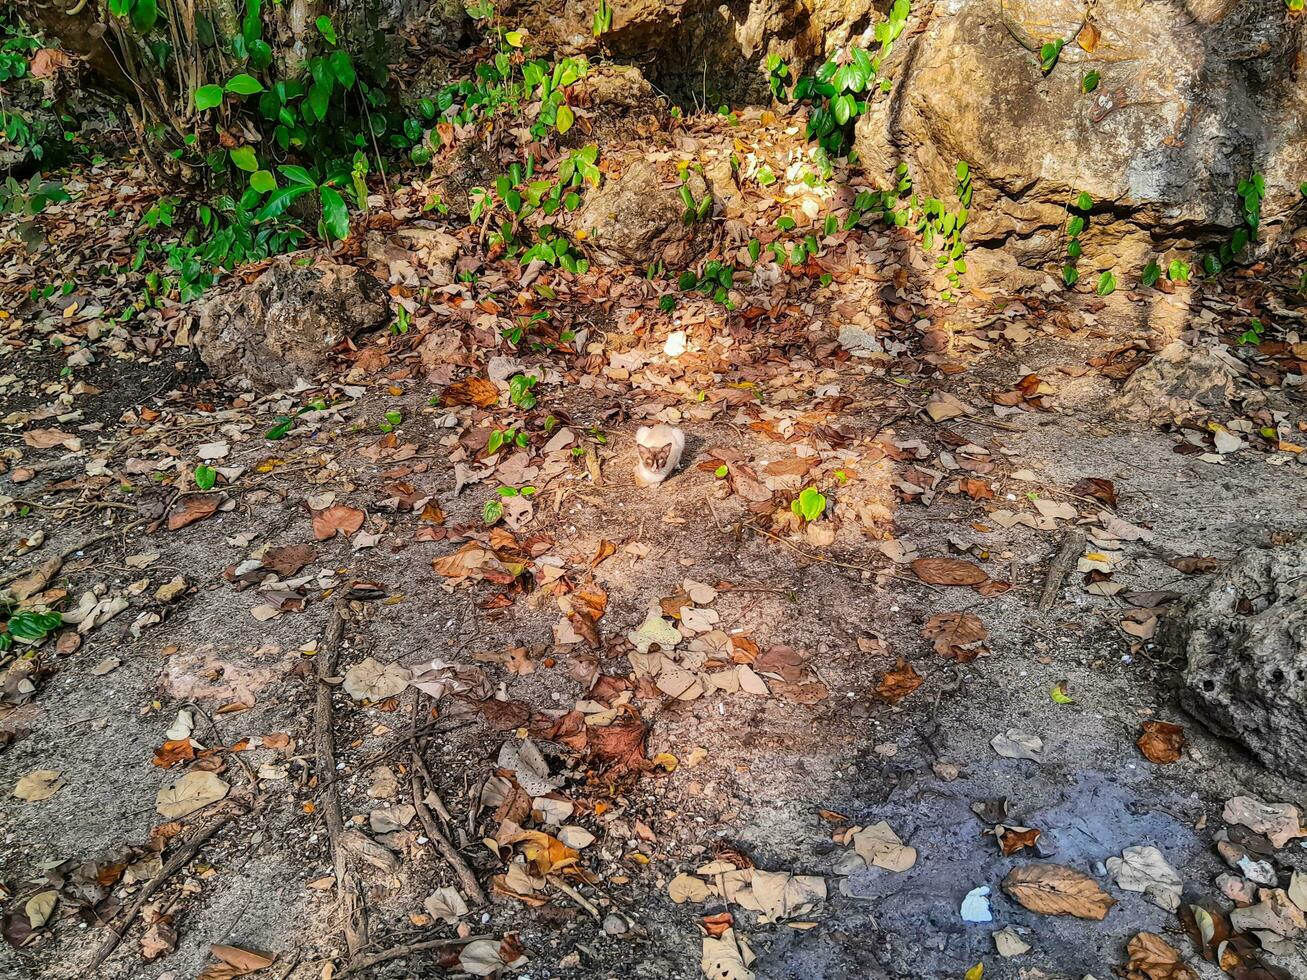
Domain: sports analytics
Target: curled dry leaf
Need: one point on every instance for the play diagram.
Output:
(949, 571)
(1153, 958)
(1161, 742)
(338, 518)
(959, 635)
(1054, 889)
(898, 683)
(235, 962)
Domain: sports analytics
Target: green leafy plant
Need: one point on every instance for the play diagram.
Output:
(602, 22)
(1049, 55)
(778, 74)
(1296, 6)
(1253, 335)
(205, 477)
(716, 280)
(1090, 81)
(810, 504)
(521, 390)
(403, 321)
(1106, 283)
(28, 627)
(1152, 272)
(1178, 271)
(1075, 226)
(695, 211)
(500, 438)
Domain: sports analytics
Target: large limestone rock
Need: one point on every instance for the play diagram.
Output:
(1186, 380)
(1245, 640)
(1195, 95)
(636, 218)
(282, 326)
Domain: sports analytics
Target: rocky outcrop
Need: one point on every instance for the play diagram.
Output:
(700, 51)
(1187, 380)
(1245, 641)
(636, 218)
(282, 326)
(1193, 96)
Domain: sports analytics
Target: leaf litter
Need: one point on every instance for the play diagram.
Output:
(577, 646)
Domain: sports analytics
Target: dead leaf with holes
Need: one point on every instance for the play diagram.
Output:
(193, 791)
(1054, 889)
(727, 957)
(958, 635)
(369, 680)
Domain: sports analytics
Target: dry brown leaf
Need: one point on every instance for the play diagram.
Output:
(1153, 958)
(1096, 488)
(288, 559)
(1053, 889)
(1088, 37)
(948, 571)
(191, 508)
(338, 518)
(1161, 742)
(898, 683)
(471, 391)
(960, 635)
(235, 962)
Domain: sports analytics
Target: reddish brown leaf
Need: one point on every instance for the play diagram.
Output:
(1096, 488)
(1161, 742)
(172, 752)
(287, 560)
(471, 391)
(1013, 839)
(336, 519)
(898, 683)
(191, 508)
(948, 571)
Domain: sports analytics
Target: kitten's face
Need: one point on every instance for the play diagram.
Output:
(654, 457)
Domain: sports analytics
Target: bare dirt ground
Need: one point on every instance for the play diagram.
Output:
(796, 702)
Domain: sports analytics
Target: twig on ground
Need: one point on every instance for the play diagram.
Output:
(348, 888)
(575, 896)
(1072, 547)
(372, 959)
(67, 552)
(466, 878)
(175, 863)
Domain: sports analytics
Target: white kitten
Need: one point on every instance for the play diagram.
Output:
(658, 451)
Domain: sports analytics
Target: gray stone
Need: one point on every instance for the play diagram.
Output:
(282, 326)
(636, 218)
(1245, 640)
(1193, 98)
(1185, 380)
